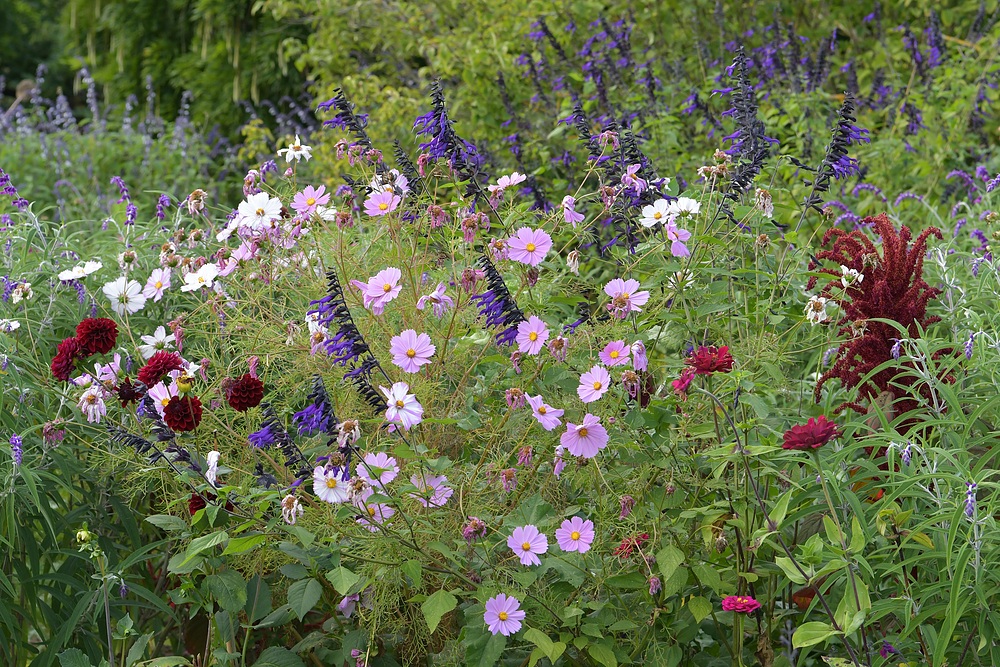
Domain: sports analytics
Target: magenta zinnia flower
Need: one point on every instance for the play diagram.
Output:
(380, 289)
(593, 384)
(585, 439)
(402, 407)
(305, 202)
(411, 350)
(527, 542)
(575, 535)
(529, 246)
(382, 203)
(615, 353)
(625, 297)
(740, 604)
(531, 335)
(546, 415)
(503, 615)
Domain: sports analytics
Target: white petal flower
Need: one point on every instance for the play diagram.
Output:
(125, 296)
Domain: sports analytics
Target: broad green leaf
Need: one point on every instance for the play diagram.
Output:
(811, 633)
(708, 576)
(203, 543)
(669, 559)
(276, 656)
(168, 522)
(858, 536)
(790, 570)
(700, 608)
(343, 579)
(412, 569)
(551, 649)
(229, 589)
(436, 606)
(780, 510)
(244, 543)
(137, 650)
(303, 596)
(74, 657)
(602, 654)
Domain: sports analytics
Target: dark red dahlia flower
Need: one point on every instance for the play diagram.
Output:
(158, 366)
(196, 502)
(711, 359)
(183, 413)
(244, 393)
(129, 393)
(64, 363)
(741, 604)
(97, 335)
(812, 435)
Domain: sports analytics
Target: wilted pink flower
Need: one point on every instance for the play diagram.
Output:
(630, 179)
(434, 492)
(440, 302)
(503, 615)
(529, 246)
(439, 217)
(546, 415)
(639, 360)
(626, 504)
(655, 585)
(682, 383)
(470, 277)
(630, 381)
(625, 297)
(92, 403)
(402, 407)
(381, 203)
(499, 250)
(380, 289)
(585, 439)
(527, 542)
(508, 479)
(558, 464)
(531, 335)
(515, 361)
(474, 530)
(411, 350)
(575, 535)
(594, 384)
(504, 182)
(515, 398)
(570, 214)
(677, 237)
(615, 353)
(305, 202)
(559, 347)
(524, 456)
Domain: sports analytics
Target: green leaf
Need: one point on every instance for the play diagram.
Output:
(790, 570)
(276, 656)
(203, 543)
(812, 633)
(858, 539)
(602, 654)
(138, 649)
(168, 522)
(708, 576)
(343, 579)
(436, 606)
(758, 405)
(551, 649)
(700, 608)
(780, 510)
(412, 569)
(167, 661)
(74, 657)
(669, 559)
(303, 596)
(244, 543)
(229, 589)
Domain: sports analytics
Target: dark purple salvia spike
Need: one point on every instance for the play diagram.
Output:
(407, 168)
(913, 48)
(794, 59)
(496, 305)
(346, 119)
(463, 156)
(272, 432)
(819, 66)
(935, 41)
(976, 29)
(318, 415)
(851, 73)
(552, 40)
(347, 345)
(360, 377)
(264, 479)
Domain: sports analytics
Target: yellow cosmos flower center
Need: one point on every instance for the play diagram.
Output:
(657, 215)
(613, 354)
(411, 353)
(159, 284)
(331, 483)
(502, 616)
(582, 432)
(399, 404)
(526, 546)
(387, 287)
(371, 511)
(311, 201)
(260, 211)
(530, 247)
(164, 401)
(383, 207)
(597, 385)
(575, 535)
(542, 410)
(533, 336)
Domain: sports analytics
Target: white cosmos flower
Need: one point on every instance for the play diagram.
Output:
(816, 310)
(160, 340)
(850, 276)
(296, 151)
(258, 211)
(328, 485)
(80, 271)
(203, 277)
(657, 213)
(684, 207)
(125, 296)
(21, 292)
(8, 326)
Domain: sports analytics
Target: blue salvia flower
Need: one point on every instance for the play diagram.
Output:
(970, 499)
(162, 204)
(896, 348)
(16, 449)
(969, 345)
(497, 305)
(318, 416)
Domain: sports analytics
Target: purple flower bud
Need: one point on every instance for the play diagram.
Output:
(970, 500)
(907, 454)
(655, 585)
(16, 449)
(969, 344)
(896, 348)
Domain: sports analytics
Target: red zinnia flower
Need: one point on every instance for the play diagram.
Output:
(812, 435)
(64, 362)
(244, 393)
(740, 603)
(682, 383)
(158, 366)
(711, 359)
(183, 413)
(97, 335)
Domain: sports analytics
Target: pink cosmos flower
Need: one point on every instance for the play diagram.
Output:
(527, 542)
(575, 535)
(640, 361)
(161, 394)
(504, 182)
(503, 615)
(546, 415)
(593, 384)
(677, 237)
(439, 301)
(378, 468)
(585, 439)
(373, 516)
(630, 179)
(569, 212)
(305, 202)
(529, 246)
(615, 353)
(159, 280)
(380, 289)
(558, 464)
(625, 297)
(433, 489)
(411, 350)
(382, 203)
(402, 407)
(531, 335)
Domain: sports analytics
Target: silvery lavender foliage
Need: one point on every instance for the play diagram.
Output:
(16, 449)
(836, 163)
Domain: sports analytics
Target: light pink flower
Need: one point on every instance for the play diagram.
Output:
(439, 301)
(585, 439)
(434, 492)
(625, 297)
(402, 407)
(639, 360)
(159, 280)
(593, 384)
(677, 237)
(305, 202)
(546, 415)
(527, 542)
(92, 403)
(558, 464)
(411, 350)
(161, 394)
(631, 180)
(504, 182)
(615, 353)
(382, 203)
(378, 468)
(503, 615)
(531, 335)
(570, 214)
(373, 516)
(575, 535)
(380, 289)
(529, 246)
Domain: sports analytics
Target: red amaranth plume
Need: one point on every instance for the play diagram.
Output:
(893, 289)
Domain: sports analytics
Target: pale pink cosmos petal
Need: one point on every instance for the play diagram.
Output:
(594, 384)
(615, 353)
(546, 415)
(527, 542)
(381, 465)
(531, 335)
(503, 615)
(381, 203)
(585, 439)
(529, 246)
(411, 350)
(575, 535)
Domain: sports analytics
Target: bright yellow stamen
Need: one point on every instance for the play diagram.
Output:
(399, 404)
(502, 616)
(530, 247)
(582, 432)
(533, 336)
(164, 401)
(331, 483)
(383, 207)
(526, 546)
(371, 511)
(613, 354)
(575, 535)
(657, 215)
(260, 211)
(159, 284)
(411, 353)
(542, 410)
(311, 201)
(387, 287)
(597, 385)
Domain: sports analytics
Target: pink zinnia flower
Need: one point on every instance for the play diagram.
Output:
(682, 383)
(625, 297)
(527, 542)
(585, 439)
(305, 202)
(593, 384)
(741, 604)
(546, 415)
(677, 237)
(378, 469)
(159, 280)
(380, 289)
(382, 203)
(529, 246)
(570, 214)
(575, 535)
(434, 492)
(402, 407)
(531, 335)
(503, 615)
(639, 360)
(440, 302)
(411, 350)
(615, 353)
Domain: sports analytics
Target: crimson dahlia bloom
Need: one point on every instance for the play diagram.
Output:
(812, 435)
(741, 604)
(183, 413)
(710, 359)
(158, 366)
(97, 335)
(64, 363)
(244, 393)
